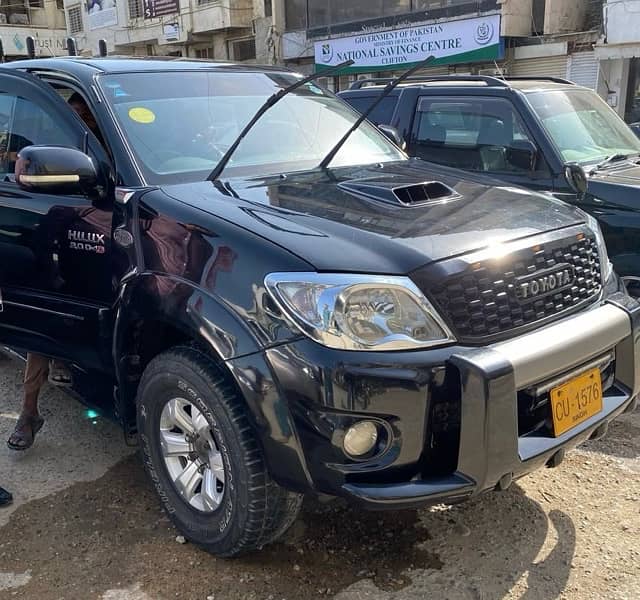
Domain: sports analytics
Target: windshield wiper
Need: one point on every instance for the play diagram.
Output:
(222, 163)
(611, 159)
(326, 161)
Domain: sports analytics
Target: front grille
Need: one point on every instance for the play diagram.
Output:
(492, 296)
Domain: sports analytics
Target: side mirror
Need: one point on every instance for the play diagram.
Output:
(394, 135)
(523, 154)
(56, 170)
(576, 178)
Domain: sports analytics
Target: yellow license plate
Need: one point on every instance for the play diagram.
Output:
(575, 401)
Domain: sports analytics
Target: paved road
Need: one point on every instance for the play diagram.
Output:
(86, 525)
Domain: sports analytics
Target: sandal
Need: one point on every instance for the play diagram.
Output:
(59, 375)
(25, 432)
(5, 497)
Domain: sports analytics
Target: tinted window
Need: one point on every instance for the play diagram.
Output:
(479, 134)
(381, 114)
(23, 123)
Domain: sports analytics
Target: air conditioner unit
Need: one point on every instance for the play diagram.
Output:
(493, 72)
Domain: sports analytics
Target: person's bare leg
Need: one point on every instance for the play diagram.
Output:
(30, 422)
(35, 374)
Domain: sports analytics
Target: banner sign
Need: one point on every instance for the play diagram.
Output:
(48, 42)
(467, 40)
(159, 8)
(101, 13)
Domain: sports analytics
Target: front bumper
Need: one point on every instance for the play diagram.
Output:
(308, 395)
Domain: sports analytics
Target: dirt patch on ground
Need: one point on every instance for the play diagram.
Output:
(571, 532)
(105, 534)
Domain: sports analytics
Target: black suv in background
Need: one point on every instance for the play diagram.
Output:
(524, 131)
(274, 316)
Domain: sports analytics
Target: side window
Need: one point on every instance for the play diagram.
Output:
(382, 114)
(474, 133)
(24, 123)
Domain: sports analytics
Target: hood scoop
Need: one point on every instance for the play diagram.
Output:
(414, 194)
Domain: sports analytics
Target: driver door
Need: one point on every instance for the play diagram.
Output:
(55, 250)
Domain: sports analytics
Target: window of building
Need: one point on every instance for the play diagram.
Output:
(136, 9)
(36, 3)
(302, 14)
(295, 15)
(60, 4)
(537, 16)
(242, 49)
(74, 19)
(204, 53)
(268, 8)
(632, 107)
(14, 13)
(322, 13)
(201, 2)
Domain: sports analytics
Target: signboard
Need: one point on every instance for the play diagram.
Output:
(171, 32)
(462, 41)
(159, 8)
(101, 13)
(48, 42)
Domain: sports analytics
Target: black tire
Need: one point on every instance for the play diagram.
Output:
(254, 510)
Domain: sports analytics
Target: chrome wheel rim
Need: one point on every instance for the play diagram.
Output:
(191, 455)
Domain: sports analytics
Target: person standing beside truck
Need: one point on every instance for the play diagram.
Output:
(40, 368)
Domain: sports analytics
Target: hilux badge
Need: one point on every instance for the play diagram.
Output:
(87, 241)
(545, 282)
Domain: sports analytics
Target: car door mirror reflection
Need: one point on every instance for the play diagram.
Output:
(394, 135)
(576, 178)
(56, 170)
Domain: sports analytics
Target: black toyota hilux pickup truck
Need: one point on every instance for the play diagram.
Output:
(276, 306)
(526, 131)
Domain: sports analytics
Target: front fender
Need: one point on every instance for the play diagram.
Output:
(237, 341)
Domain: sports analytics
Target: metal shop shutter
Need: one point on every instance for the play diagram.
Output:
(583, 69)
(549, 66)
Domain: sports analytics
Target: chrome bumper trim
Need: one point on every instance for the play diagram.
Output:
(557, 348)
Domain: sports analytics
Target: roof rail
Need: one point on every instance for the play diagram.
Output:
(490, 81)
(534, 78)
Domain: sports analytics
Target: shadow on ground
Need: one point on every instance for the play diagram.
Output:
(110, 534)
(622, 439)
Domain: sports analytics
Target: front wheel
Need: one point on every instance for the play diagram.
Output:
(202, 456)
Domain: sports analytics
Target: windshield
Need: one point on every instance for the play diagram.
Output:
(584, 128)
(180, 124)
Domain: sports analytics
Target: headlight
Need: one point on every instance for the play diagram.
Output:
(359, 312)
(605, 264)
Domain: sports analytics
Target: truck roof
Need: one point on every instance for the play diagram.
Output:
(520, 83)
(123, 64)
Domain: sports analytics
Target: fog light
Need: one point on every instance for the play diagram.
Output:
(360, 438)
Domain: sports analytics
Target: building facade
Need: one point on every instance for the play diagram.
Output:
(41, 19)
(619, 54)
(210, 29)
(513, 37)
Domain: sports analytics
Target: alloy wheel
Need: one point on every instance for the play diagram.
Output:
(191, 455)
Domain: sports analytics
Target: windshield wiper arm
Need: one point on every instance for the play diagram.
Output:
(609, 160)
(273, 99)
(326, 161)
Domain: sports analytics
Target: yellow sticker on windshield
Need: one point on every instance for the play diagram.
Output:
(140, 114)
